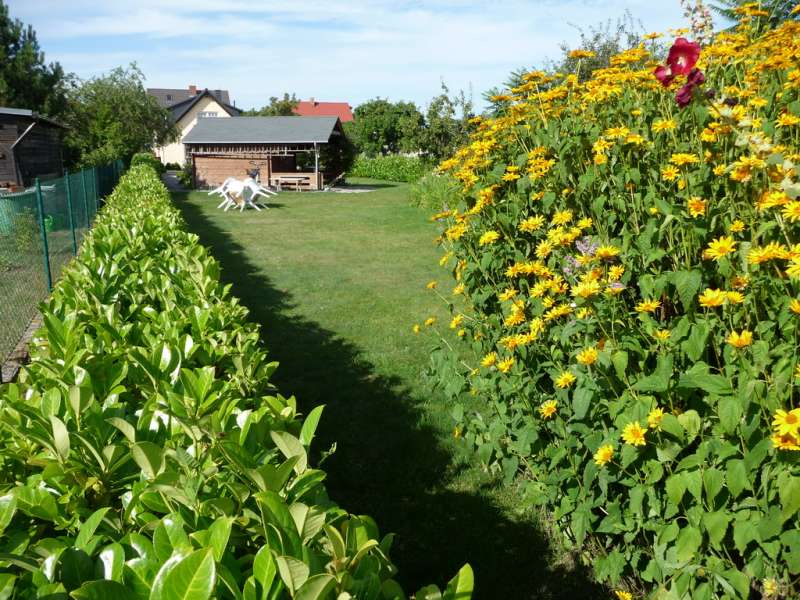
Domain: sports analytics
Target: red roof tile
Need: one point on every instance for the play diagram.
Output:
(311, 108)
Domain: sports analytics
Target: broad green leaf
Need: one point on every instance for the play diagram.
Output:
(128, 430)
(316, 587)
(192, 577)
(716, 525)
(8, 506)
(293, 572)
(620, 361)
(730, 413)
(789, 494)
(687, 284)
(7, 581)
(219, 532)
(691, 423)
(713, 481)
(60, 437)
(688, 543)
(658, 380)
(149, 457)
(291, 447)
(264, 568)
(88, 528)
(310, 426)
(461, 586)
(112, 559)
(103, 590)
(735, 477)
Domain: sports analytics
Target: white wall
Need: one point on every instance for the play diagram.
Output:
(176, 151)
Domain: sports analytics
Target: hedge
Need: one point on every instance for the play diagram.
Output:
(392, 167)
(627, 286)
(145, 453)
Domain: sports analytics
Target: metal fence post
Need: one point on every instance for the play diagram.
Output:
(43, 231)
(85, 199)
(71, 216)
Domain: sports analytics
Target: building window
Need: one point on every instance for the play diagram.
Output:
(169, 97)
(206, 114)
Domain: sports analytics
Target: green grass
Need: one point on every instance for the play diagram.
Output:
(337, 281)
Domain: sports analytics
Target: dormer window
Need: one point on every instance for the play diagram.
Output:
(207, 114)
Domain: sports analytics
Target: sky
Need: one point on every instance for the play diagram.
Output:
(332, 51)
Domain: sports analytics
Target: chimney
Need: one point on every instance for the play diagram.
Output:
(193, 90)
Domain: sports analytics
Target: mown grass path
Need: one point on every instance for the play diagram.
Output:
(336, 281)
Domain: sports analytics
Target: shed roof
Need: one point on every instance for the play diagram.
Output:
(25, 112)
(262, 130)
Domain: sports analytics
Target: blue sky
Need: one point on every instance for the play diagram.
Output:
(350, 51)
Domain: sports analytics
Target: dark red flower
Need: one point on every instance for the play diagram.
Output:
(664, 75)
(683, 56)
(684, 95)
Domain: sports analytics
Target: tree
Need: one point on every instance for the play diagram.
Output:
(113, 117)
(779, 10)
(383, 127)
(446, 124)
(277, 107)
(26, 81)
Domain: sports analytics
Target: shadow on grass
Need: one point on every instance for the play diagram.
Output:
(388, 463)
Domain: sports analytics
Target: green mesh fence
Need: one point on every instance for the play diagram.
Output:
(40, 231)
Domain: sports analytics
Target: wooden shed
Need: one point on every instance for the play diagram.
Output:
(286, 150)
(30, 147)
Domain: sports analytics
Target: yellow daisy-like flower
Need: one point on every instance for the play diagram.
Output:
(565, 380)
(578, 54)
(562, 217)
(604, 455)
(794, 306)
(607, 252)
(585, 223)
(740, 340)
(664, 125)
(586, 289)
(415, 328)
(430, 321)
(548, 409)
(456, 321)
(587, 356)
(791, 211)
(770, 585)
(662, 335)
(648, 306)
(490, 237)
(785, 442)
(461, 333)
(623, 595)
(531, 224)
(720, 247)
(507, 294)
(459, 289)
(654, 418)
(680, 159)
(431, 285)
(504, 366)
(734, 297)
(489, 360)
(786, 422)
(633, 434)
(696, 206)
(786, 120)
(543, 249)
(712, 298)
(737, 226)
(670, 173)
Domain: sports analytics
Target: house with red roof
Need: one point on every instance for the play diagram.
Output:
(312, 108)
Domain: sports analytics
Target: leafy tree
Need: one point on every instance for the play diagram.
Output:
(779, 10)
(383, 127)
(113, 117)
(26, 81)
(446, 124)
(277, 107)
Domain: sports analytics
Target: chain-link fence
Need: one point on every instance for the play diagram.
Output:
(40, 231)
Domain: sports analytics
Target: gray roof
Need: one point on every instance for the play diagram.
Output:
(262, 130)
(178, 110)
(167, 97)
(25, 112)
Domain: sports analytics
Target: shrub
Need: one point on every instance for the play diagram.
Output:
(392, 167)
(628, 261)
(172, 167)
(436, 191)
(149, 159)
(145, 453)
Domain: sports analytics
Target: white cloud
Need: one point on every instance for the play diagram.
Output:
(337, 51)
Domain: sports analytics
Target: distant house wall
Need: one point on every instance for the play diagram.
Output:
(175, 152)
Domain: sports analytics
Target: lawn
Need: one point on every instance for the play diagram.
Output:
(337, 281)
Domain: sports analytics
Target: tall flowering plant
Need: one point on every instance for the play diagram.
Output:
(626, 261)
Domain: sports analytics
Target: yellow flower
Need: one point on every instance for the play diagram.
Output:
(457, 320)
(585, 223)
(531, 224)
(623, 595)
(770, 585)
(415, 328)
(587, 356)
(565, 380)
(654, 418)
(785, 442)
(461, 332)
(648, 306)
(696, 206)
(664, 125)
(734, 297)
(604, 455)
(786, 120)
(737, 226)
(430, 321)
(681, 159)
(561, 217)
(712, 298)
(489, 237)
(578, 54)
(720, 247)
(662, 335)
(548, 409)
(791, 211)
(670, 173)
(607, 252)
(459, 289)
(431, 285)
(489, 360)
(740, 340)
(586, 289)
(504, 366)
(786, 422)
(543, 249)
(633, 434)
(794, 306)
